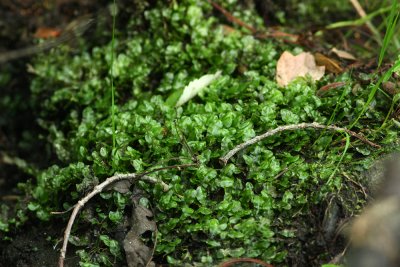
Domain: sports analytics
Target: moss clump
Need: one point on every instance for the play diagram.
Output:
(253, 207)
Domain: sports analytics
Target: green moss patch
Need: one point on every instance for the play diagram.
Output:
(259, 204)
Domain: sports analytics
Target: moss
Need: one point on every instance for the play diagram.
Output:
(253, 206)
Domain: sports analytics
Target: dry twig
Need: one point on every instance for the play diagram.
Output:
(362, 14)
(291, 38)
(224, 160)
(232, 18)
(97, 190)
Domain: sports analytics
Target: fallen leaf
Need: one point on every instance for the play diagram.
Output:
(290, 67)
(330, 64)
(46, 33)
(227, 30)
(123, 186)
(195, 87)
(329, 87)
(137, 253)
(343, 54)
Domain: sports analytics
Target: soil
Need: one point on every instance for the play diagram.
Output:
(30, 247)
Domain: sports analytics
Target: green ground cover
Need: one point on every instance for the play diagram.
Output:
(259, 204)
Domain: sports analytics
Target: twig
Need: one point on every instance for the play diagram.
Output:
(281, 173)
(339, 257)
(290, 38)
(63, 212)
(329, 87)
(362, 14)
(358, 8)
(97, 190)
(148, 264)
(224, 160)
(232, 18)
(356, 183)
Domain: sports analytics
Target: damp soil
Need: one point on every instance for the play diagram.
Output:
(32, 246)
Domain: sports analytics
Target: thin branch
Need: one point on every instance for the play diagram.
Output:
(232, 18)
(281, 173)
(97, 190)
(356, 183)
(362, 14)
(358, 8)
(63, 212)
(180, 166)
(224, 160)
(148, 264)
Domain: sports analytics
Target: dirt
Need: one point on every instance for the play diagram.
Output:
(19, 20)
(31, 247)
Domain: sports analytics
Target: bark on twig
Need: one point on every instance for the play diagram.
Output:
(97, 190)
(224, 160)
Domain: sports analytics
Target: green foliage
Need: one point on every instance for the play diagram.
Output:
(211, 212)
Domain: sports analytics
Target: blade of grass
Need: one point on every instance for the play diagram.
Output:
(391, 24)
(396, 99)
(375, 88)
(368, 23)
(331, 119)
(360, 21)
(390, 29)
(114, 14)
(341, 158)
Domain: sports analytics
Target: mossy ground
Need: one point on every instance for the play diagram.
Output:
(271, 200)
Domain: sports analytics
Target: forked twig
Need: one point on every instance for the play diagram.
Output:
(224, 160)
(98, 189)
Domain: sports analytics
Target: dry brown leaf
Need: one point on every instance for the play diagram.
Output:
(138, 253)
(123, 186)
(329, 87)
(46, 33)
(343, 54)
(227, 30)
(290, 67)
(330, 64)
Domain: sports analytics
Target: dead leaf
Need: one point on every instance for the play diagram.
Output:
(122, 187)
(46, 33)
(391, 88)
(329, 87)
(330, 64)
(290, 67)
(227, 30)
(137, 253)
(343, 54)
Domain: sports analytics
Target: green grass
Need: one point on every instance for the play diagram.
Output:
(114, 136)
(391, 24)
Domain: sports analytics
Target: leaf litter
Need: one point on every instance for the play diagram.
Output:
(289, 67)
